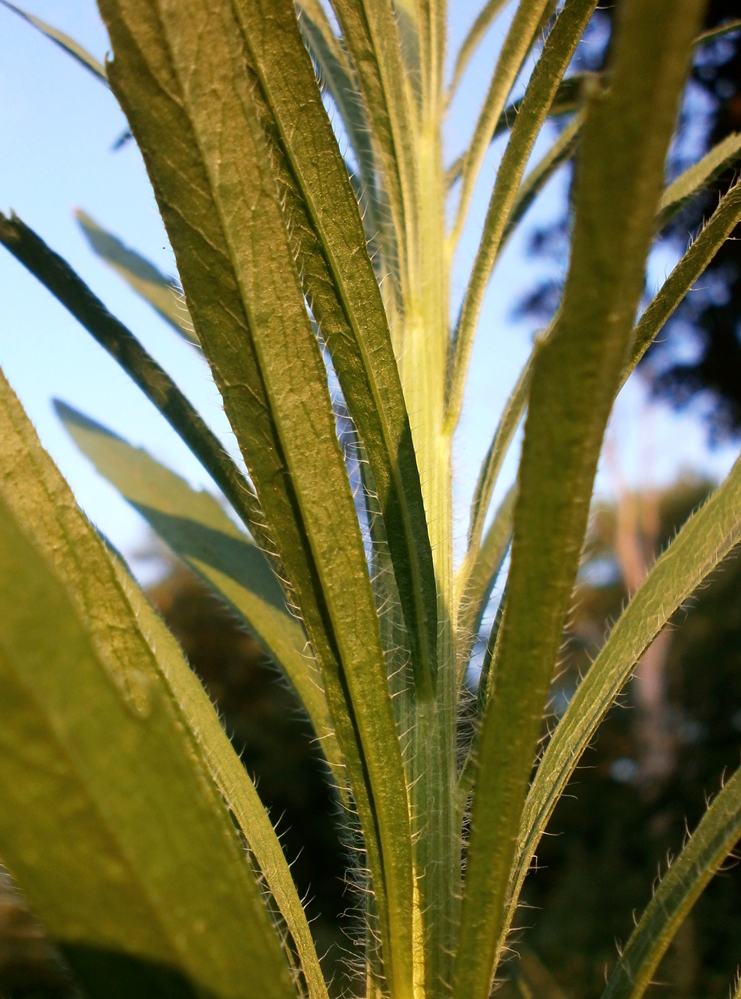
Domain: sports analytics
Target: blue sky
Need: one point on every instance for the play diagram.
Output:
(58, 125)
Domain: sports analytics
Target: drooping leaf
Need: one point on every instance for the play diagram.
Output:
(162, 292)
(148, 889)
(576, 376)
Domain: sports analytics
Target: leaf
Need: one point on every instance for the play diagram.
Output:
(577, 372)
(148, 872)
(198, 119)
(69, 45)
(370, 34)
(679, 889)
(728, 28)
(698, 177)
(59, 278)
(569, 98)
(484, 571)
(513, 53)
(338, 76)
(476, 32)
(560, 152)
(346, 302)
(703, 542)
(233, 781)
(690, 268)
(542, 89)
(510, 420)
(162, 293)
(196, 528)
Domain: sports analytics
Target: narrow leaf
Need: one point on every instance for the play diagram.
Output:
(484, 571)
(470, 43)
(69, 45)
(703, 542)
(510, 420)
(576, 375)
(679, 889)
(698, 177)
(560, 152)
(338, 76)
(59, 278)
(163, 293)
(514, 51)
(569, 98)
(233, 781)
(370, 33)
(134, 869)
(542, 89)
(728, 28)
(690, 268)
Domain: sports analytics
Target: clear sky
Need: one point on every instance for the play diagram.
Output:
(58, 126)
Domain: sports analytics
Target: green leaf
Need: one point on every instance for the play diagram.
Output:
(679, 889)
(196, 528)
(475, 33)
(541, 91)
(370, 34)
(690, 268)
(703, 542)
(69, 45)
(338, 76)
(515, 48)
(346, 302)
(577, 372)
(728, 28)
(149, 877)
(163, 293)
(59, 278)
(485, 568)
(233, 781)
(198, 119)
(698, 177)
(510, 420)
(560, 152)
(569, 98)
